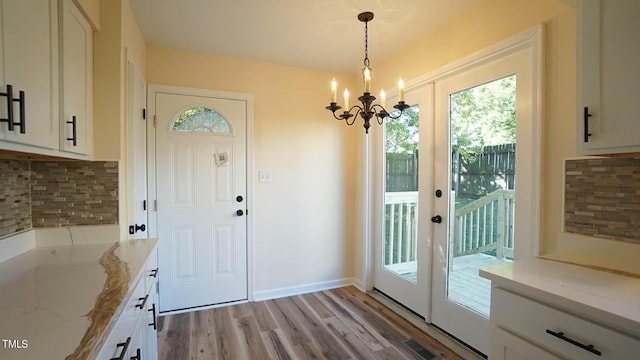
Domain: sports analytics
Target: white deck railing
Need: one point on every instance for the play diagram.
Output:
(401, 227)
(484, 225)
(481, 226)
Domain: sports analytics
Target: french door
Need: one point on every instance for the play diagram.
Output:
(444, 196)
(485, 167)
(402, 179)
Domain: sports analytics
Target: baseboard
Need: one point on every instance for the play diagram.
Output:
(17, 244)
(305, 288)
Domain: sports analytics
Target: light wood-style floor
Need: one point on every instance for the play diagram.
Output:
(335, 324)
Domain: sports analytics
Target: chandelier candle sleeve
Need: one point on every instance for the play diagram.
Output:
(367, 80)
(383, 98)
(400, 90)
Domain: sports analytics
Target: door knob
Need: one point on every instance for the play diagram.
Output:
(436, 219)
(239, 212)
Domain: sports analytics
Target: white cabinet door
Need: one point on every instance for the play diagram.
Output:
(608, 76)
(506, 346)
(151, 325)
(76, 53)
(28, 33)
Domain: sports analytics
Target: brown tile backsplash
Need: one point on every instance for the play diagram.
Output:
(15, 202)
(57, 193)
(602, 198)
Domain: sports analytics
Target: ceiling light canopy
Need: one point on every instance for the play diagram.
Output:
(367, 109)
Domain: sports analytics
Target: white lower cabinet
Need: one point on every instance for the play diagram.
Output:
(507, 346)
(524, 328)
(134, 335)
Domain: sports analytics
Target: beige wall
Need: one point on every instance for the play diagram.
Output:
(303, 220)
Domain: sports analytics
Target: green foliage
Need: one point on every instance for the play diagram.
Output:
(402, 135)
(483, 115)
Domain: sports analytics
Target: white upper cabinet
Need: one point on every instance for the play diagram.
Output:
(29, 63)
(76, 76)
(608, 76)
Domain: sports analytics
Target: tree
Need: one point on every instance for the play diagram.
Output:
(483, 115)
(402, 133)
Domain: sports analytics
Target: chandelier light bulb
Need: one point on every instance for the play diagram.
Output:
(334, 90)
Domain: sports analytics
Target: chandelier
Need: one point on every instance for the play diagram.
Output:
(368, 109)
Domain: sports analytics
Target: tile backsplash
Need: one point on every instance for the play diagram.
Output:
(57, 193)
(15, 201)
(602, 198)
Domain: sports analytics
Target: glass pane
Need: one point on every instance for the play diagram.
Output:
(401, 193)
(483, 145)
(201, 119)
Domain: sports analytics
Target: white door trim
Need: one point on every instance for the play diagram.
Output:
(152, 90)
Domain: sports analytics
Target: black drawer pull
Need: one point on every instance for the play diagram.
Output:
(560, 335)
(137, 356)
(153, 309)
(154, 273)
(144, 301)
(586, 124)
(74, 132)
(125, 347)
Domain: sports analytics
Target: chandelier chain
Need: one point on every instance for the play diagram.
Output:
(366, 44)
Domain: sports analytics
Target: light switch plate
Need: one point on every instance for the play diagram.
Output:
(264, 176)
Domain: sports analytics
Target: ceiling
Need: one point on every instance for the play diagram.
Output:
(316, 34)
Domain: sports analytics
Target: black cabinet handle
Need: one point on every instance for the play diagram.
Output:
(10, 101)
(74, 136)
(239, 212)
(154, 273)
(436, 219)
(560, 335)
(586, 124)
(153, 310)
(137, 356)
(125, 347)
(144, 301)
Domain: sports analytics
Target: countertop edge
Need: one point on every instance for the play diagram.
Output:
(525, 276)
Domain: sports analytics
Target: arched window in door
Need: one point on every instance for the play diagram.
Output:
(201, 120)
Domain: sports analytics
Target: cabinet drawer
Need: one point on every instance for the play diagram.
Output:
(125, 324)
(558, 331)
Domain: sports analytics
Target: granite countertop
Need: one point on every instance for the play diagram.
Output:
(57, 302)
(597, 292)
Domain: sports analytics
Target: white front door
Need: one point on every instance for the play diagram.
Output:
(200, 166)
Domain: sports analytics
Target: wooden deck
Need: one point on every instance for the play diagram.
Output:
(466, 287)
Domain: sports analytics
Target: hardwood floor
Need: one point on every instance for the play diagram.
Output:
(335, 324)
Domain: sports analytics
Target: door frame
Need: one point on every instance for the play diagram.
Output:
(530, 38)
(152, 90)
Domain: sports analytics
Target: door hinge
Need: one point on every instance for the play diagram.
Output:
(155, 121)
(144, 114)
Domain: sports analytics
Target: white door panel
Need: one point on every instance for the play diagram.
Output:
(201, 189)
